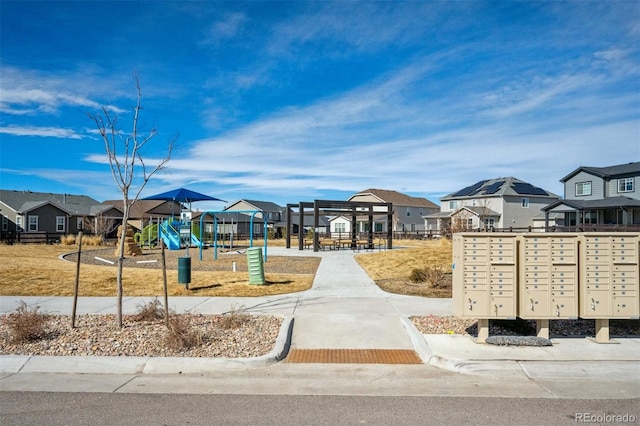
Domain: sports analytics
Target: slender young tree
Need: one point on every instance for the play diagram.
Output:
(128, 168)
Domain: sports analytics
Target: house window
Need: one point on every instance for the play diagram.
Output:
(408, 212)
(60, 220)
(469, 223)
(19, 227)
(489, 223)
(33, 223)
(525, 203)
(453, 205)
(80, 224)
(5, 223)
(341, 227)
(378, 227)
(583, 188)
(625, 185)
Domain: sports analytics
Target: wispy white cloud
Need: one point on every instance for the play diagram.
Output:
(25, 92)
(380, 135)
(228, 27)
(46, 132)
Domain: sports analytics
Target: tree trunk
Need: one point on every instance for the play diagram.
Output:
(123, 235)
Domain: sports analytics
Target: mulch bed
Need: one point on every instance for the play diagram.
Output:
(274, 264)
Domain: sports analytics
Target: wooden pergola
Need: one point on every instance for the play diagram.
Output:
(339, 208)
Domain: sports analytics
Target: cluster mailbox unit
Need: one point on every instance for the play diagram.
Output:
(610, 279)
(484, 278)
(544, 276)
(548, 277)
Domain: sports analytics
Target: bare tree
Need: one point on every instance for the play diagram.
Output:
(126, 162)
(99, 225)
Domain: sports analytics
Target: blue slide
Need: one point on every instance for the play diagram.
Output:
(195, 241)
(170, 236)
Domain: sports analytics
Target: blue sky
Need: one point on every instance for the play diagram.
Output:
(296, 101)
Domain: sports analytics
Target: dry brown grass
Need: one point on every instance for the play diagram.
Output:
(89, 240)
(180, 335)
(234, 318)
(36, 270)
(391, 270)
(149, 312)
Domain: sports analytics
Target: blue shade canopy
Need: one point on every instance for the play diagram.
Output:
(182, 195)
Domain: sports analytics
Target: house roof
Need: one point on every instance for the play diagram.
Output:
(226, 217)
(604, 203)
(265, 206)
(607, 172)
(397, 198)
(478, 211)
(144, 208)
(500, 187)
(24, 201)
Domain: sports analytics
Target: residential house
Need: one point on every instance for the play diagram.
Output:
(241, 222)
(504, 202)
(27, 213)
(142, 212)
(600, 196)
(408, 212)
(308, 223)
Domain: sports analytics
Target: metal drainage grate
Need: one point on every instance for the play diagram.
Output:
(353, 356)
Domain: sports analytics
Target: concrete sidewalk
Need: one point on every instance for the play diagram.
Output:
(346, 310)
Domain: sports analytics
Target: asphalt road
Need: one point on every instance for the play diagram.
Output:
(43, 408)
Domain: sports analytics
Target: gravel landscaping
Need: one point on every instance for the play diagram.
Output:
(432, 324)
(98, 335)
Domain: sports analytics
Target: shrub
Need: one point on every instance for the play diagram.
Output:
(26, 325)
(68, 240)
(93, 240)
(417, 275)
(89, 240)
(433, 276)
(149, 312)
(234, 318)
(179, 335)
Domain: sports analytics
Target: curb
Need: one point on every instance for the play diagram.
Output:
(418, 341)
(421, 346)
(17, 364)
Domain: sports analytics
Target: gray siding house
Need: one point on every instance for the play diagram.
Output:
(271, 211)
(600, 196)
(53, 215)
(408, 212)
(500, 203)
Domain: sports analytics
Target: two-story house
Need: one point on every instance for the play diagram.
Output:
(240, 223)
(504, 202)
(600, 196)
(407, 213)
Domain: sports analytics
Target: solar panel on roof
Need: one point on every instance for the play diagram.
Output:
(528, 189)
(493, 188)
(469, 190)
